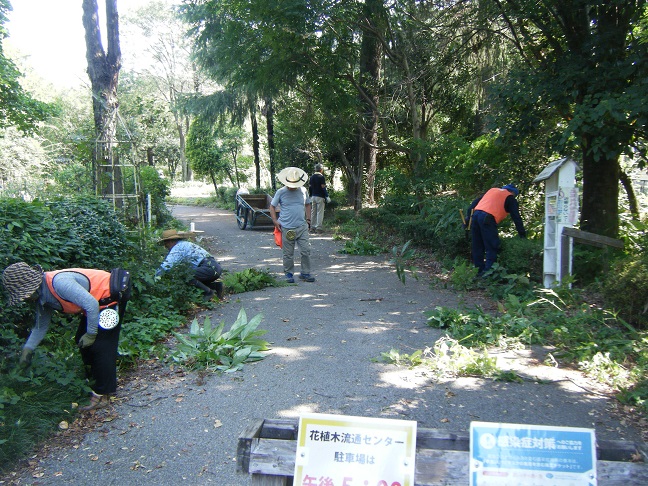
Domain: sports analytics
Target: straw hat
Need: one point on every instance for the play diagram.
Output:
(292, 177)
(20, 281)
(171, 234)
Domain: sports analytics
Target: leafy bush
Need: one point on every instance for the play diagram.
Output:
(159, 188)
(436, 225)
(361, 246)
(22, 226)
(625, 288)
(93, 228)
(522, 256)
(463, 275)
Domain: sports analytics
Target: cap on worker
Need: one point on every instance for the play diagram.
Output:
(292, 177)
(512, 188)
(21, 281)
(172, 234)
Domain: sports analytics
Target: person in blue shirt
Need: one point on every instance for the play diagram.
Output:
(206, 269)
(294, 207)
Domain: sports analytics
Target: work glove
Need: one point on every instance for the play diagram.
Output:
(328, 200)
(87, 340)
(25, 358)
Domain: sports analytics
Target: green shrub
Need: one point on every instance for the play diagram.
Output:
(23, 226)
(435, 225)
(464, 274)
(159, 188)
(361, 246)
(625, 288)
(522, 256)
(91, 230)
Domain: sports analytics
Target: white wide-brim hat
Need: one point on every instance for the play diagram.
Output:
(292, 177)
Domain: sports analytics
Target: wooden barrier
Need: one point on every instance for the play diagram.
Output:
(266, 450)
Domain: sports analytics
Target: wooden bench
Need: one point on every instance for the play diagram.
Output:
(266, 450)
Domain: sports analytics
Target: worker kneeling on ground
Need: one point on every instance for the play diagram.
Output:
(206, 269)
(484, 214)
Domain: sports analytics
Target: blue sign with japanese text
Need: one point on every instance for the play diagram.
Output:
(514, 454)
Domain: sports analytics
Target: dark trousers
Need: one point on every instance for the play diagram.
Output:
(101, 357)
(206, 272)
(484, 240)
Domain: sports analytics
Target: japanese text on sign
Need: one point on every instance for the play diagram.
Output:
(504, 453)
(335, 450)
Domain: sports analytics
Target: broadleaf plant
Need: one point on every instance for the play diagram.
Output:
(209, 348)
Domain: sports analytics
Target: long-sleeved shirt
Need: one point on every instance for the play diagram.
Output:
(317, 185)
(72, 287)
(510, 206)
(183, 251)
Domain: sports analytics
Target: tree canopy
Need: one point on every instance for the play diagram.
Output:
(17, 107)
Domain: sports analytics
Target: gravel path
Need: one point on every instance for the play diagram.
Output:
(170, 427)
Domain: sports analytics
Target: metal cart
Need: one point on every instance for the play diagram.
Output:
(253, 210)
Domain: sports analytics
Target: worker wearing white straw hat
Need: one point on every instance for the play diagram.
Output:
(293, 221)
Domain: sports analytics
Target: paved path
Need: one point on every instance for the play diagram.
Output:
(171, 427)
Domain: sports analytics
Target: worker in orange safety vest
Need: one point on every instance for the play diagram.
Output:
(484, 214)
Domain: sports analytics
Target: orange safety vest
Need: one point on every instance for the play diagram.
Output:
(99, 287)
(493, 203)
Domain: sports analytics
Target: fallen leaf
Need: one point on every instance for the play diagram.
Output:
(94, 457)
(179, 399)
(63, 425)
(444, 420)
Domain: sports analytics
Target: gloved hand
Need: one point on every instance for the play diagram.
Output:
(328, 200)
(25, 358)
(87, 340)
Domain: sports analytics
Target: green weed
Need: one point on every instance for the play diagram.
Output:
(248, 280)
(361, 246)
(448, 358)
(401, 257)
(209, 348)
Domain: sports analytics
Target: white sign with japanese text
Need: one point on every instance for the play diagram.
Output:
(538, 455)
(339, 450)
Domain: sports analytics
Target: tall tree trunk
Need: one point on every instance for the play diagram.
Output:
(271, 147)
(255, 144)
(632, 197)
(371, 54)
(103, 71)
(600, 213)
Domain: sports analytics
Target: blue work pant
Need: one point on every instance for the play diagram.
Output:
(101, 358)
(484, 240)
